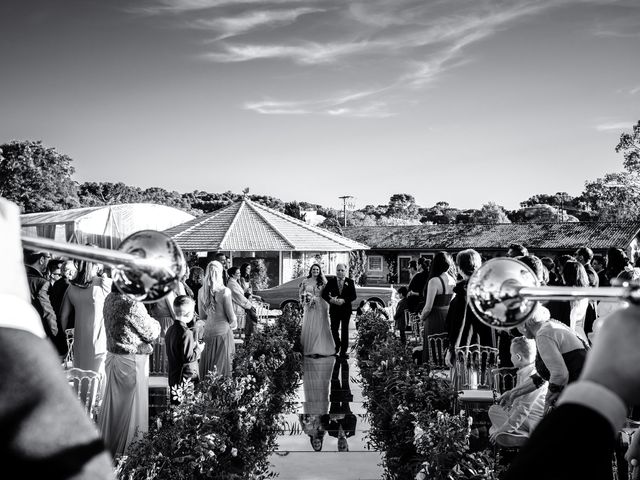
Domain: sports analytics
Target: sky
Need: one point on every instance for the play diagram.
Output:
(463, 101)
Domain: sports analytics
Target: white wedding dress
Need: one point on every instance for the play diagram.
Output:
(316, 336)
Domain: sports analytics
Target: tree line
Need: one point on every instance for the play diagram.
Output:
(38, 178)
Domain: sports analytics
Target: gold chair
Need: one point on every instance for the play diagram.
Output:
(413, 320)
(158, 363)
(504, 378)
(87, 385)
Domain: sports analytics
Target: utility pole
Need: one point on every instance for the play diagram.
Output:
(344, 199)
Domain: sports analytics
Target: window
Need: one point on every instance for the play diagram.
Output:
(375, 263)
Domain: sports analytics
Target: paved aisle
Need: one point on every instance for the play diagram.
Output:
(330, 411)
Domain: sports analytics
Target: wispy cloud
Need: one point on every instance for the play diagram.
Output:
(617, 126)
(634, 90)
(234, 25)
(411, 43)
(353, 104)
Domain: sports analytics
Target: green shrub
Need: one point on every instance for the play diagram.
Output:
(225, 427)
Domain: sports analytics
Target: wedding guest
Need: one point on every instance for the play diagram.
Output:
(183, 349)
(593, 410)
(400, 315)
(44, 431)
(550, 265)
(245, 282)
(417, 285)
(130, 332)
(36, 267)
(57, 292)
(463, 326)
(512, 426)
(84, 303)
(54, 271)
(561, 356)
(575, 275)
(517, 250)
(439, 292)
(216, 310)
(241, 304)
(599, 264)
(196, 276)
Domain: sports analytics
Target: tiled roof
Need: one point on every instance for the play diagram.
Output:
(248, 226)
(596, 235)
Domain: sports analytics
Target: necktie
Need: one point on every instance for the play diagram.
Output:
(340, 283)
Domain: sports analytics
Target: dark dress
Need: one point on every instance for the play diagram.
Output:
(417, 284)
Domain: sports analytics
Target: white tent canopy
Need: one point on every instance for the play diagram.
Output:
(105, 226)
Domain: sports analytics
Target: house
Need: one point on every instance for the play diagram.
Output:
(246, 231)
(392, 247)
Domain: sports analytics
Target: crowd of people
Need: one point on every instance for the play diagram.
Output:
(570, 379)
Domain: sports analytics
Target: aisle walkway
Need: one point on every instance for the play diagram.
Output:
(329, 411)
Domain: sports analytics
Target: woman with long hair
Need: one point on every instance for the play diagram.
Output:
(439, 292)
(216, 310)
(576, 276)
(84, 301)
(316, 336)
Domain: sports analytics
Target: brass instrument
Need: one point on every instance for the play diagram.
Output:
(147, 265)
(504, 292)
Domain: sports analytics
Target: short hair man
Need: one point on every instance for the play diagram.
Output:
(36, 266)
(222, 258)
(517, 250)
(599, 264)
(512, 426)
(57, 291)
(339, 293)
(183, 351)
(584, 255)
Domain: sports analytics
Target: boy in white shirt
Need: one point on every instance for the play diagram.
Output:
(512, 426)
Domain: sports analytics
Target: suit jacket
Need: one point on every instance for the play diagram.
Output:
(348, 295)
(181, 353)
(39, 288)
(571, 442)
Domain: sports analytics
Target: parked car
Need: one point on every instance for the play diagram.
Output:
(278, 297)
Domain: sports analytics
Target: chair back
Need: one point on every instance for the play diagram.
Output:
(473, 366)
(504, 378)
(68, 359)
(413, 319)
(159, 363)
(262, 311)
(438, 345)
(87, 385)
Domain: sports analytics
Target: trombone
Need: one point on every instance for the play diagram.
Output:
(503, 293)
(146, 267)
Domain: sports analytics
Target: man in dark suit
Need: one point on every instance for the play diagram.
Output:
(576, 440)
(339, 293)
(36, 266)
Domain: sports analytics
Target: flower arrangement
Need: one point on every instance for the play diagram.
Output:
(405, 402)
(224, 427)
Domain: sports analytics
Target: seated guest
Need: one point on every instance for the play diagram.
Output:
(183, 349)
(511, 426)
(576, 439)
(400, 314)
(561, 355)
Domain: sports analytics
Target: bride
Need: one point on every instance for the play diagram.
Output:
(316, 331)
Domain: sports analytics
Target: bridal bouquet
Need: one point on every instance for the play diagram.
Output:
(308, 300)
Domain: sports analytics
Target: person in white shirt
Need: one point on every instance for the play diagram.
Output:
(511, 426)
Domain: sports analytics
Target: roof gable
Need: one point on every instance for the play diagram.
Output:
(248, 226)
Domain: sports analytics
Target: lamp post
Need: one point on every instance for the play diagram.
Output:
(345, 198)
